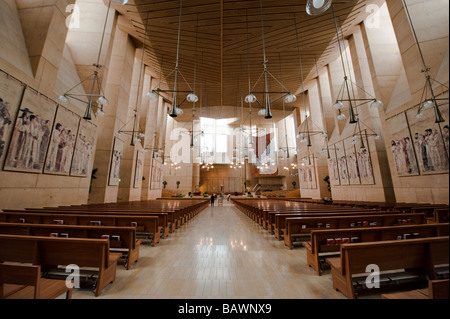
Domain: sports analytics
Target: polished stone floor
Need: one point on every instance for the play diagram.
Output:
(220, 253)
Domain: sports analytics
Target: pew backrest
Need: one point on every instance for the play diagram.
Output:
(423, 253)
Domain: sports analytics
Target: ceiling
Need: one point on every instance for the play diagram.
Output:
(221, 49)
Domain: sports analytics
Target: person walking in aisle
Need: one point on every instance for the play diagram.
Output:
(213, 197)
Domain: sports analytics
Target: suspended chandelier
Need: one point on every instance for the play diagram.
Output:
(286, 148)
(429, 98)
(305, 133)
(99, 97)
(266, 102)
(347, 91)
(136, 133)
(348, 88)
(191, 96)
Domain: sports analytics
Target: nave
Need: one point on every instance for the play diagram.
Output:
(218, 254)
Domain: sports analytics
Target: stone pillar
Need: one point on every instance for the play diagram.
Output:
(326, 101)
(370, 121)
(117, 91)
(147, 142)
(195, 177)
(336, 78)
(130, 186)
(318, 142)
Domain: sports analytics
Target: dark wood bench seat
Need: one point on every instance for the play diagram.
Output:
(121, 239)
(421, 256)
(147, 227)
(278, 220)
(25, 282)
(301, 227)
(437, 289)
(323, 242)
(56, 252)
(164, 219)
(179, 211)
(440, 215)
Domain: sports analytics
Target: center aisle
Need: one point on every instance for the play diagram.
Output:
(220, 253)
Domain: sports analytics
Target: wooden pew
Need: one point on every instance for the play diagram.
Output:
(126, 242)
(275, 220)
(320, 245)
(278, 220)
(165, 220)
(422, 255)
(262, 211)
(301, 226)
(146, 226)
(437, 289)
(25, 282)
(179, 210)
(55, 251)
(441, 215)
(428, 209)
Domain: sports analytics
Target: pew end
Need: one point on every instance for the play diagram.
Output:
(19, 281)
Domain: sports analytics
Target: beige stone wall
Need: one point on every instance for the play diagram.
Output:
(381, 57)
(41, 51)
(407, 83)
(37, 64)
(13, 47)
(38, 49)
(231, 179)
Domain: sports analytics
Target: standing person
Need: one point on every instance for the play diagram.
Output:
(212, 199)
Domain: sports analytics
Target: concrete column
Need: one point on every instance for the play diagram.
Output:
(336, 79)
(117, 90)
(195, 177)
(370, 121)
(148, 152)
(326, 101)
(130, 186)
(318, 142)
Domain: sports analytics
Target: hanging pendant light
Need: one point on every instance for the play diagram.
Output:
(338, 105)
(290, 98)
(317, 7)
(268, 112)
(174, 111)
(100, 97)
(432, 100)
(341, 116)
(192, 97)
(262, 112)
(266, 104)
(250, 98)
(377, 104)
